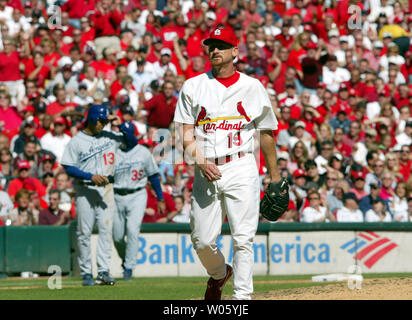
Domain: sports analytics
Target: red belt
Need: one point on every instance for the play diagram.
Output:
(224, 160)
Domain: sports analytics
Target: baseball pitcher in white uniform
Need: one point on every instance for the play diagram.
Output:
(220, 111)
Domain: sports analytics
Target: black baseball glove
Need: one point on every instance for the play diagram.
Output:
(276, 200)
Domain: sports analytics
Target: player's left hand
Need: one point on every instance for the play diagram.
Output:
(113, 117)
(100, 180)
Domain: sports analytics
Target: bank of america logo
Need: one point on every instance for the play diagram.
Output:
(369, 247)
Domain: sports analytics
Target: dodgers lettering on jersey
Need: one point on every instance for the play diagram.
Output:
(225, 119)
(133, 167)
(94, 154)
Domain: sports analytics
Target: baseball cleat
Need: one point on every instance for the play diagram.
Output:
(103, 279)
(215, 287)
(88, 280)
(127, 274)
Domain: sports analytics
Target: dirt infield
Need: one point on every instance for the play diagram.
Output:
(371, 289)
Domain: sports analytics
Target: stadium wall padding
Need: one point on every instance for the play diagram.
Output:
(165, 249)
(2, 255)
(35, 248)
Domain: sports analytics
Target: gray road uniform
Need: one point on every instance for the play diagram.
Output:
(94, 204)
(131, 172)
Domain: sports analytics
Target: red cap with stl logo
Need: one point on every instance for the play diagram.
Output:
(299, 173)
(23, 164)
(224, 34)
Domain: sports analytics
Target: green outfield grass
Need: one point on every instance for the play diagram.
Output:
(164, 288)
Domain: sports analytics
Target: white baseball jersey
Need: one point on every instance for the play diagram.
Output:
(133, 167)
(225, 119)
(94, 154)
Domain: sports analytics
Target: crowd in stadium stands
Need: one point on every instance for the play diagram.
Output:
(338, 73)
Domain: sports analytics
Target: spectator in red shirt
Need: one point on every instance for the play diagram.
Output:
(53, 216)
(10, 60)
(254, 59)
(65, 27)
(121, 72)
(354, 134)
(37, 70)
(405, 162)
(401, 96)
(179, 56)
(47, 164)
(251, 15)
(107, 65)
(196, 67)
(358, 180)
(197, 12)
(10, 119)
(32, 94)
(51, 57)
(60, 107)
(342, 147)
(153, 24)
(193, 36)
(78, 9)
(88, 33)
(153, 212)
(66, 48)
(106, 22)
(153, 54)
(45, 126)
(161, 107)
(129, 55)
(220, 11)
(277, 69)
(283, 119)
(298, 51)
(312, 69)
(285, 37)
(24, 171)
(189, 67)
(170, 30)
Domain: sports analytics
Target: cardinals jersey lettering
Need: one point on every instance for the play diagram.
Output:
(225, 119)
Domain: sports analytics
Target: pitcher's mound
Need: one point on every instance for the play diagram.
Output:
(371, 289)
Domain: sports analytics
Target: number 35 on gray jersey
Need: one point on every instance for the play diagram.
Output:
(133, 167)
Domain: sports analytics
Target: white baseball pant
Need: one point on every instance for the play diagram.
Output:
(237, 195)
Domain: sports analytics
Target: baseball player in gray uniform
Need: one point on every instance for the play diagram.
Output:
(134, 166)
(90, 158)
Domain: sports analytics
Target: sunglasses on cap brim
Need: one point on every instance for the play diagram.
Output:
(104, 121)
(220, 45)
